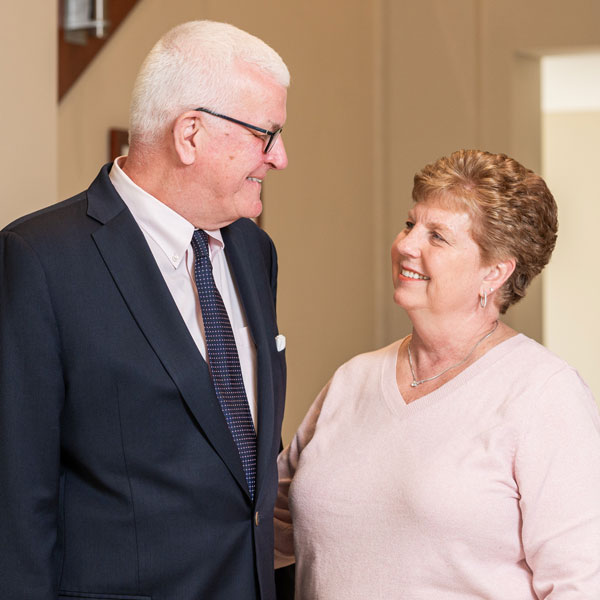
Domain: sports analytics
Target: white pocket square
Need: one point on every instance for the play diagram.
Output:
(280, 342)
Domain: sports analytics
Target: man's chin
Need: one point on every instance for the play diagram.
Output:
(255, 211)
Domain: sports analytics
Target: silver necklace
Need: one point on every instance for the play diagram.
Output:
(416, 382)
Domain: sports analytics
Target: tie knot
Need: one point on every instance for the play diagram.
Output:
(200, 243)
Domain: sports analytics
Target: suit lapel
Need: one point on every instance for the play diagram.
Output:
(241, 261)
(134, 271)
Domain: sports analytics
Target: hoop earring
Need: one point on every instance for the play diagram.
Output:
(483, 300)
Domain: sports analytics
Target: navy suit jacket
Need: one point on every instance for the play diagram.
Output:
(118, 475)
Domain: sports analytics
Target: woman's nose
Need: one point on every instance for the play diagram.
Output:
(407, 244)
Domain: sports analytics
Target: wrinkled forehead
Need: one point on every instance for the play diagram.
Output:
(444, 209)
(255, 87)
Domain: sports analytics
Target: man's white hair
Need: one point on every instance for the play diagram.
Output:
(194, 65)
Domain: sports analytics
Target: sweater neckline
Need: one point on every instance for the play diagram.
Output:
(394, 398)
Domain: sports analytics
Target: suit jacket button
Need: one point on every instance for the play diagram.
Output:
(256, 519)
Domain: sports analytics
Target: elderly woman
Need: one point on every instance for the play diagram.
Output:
(462, 461)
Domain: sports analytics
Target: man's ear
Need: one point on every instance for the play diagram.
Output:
(498, 273)
(187, 130)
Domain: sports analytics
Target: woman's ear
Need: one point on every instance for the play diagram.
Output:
(186, 136)
(498, 274)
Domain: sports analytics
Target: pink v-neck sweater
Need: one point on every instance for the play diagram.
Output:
(487, 488)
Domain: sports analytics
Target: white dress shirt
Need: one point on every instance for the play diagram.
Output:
(169, 237)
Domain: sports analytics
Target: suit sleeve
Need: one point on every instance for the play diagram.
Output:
(32, 393)
(558, 472)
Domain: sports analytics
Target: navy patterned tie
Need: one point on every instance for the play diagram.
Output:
(224, 361)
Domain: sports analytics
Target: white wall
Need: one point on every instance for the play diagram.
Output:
(571, 83)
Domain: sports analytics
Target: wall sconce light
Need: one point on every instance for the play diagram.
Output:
(82, 18)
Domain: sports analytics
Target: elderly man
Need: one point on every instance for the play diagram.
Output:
(142, 374)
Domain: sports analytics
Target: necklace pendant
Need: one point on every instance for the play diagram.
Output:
(415, 383)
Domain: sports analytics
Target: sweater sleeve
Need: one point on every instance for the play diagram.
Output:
(557, 468)
(287, 464)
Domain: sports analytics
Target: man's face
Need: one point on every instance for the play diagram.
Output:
(233, 164)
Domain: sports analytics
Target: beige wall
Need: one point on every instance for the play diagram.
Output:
(466, 73)
(27, 107)
(378, 89)
(571, 290)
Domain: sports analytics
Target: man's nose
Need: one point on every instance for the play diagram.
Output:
(277, 156)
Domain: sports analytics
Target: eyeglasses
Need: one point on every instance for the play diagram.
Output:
(270, 137)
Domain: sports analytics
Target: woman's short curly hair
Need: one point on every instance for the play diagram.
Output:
(514, 214)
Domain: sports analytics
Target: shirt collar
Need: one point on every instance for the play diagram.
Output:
(171, 232)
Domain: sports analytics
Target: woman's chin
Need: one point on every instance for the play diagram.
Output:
(400, 298)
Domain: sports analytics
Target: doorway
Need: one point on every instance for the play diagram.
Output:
(571, 167)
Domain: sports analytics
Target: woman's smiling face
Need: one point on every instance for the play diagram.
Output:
(436, 264)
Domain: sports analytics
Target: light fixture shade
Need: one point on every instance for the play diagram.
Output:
(82, 18)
